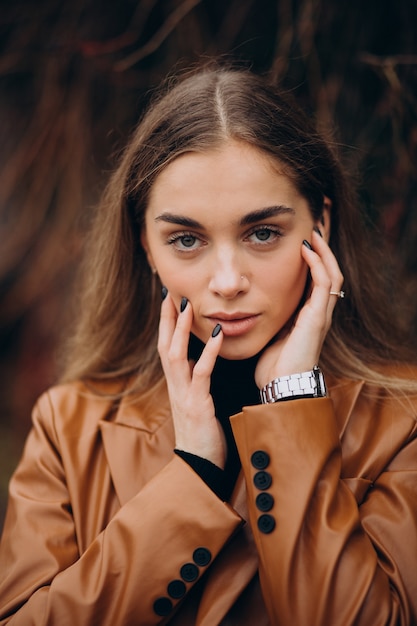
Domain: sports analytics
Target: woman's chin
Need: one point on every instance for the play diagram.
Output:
(239, 350)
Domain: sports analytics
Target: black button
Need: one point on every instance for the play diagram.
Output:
(176, 589)
(266, 523)
(189, 572)
(264, 501)
(262, 480)
(202, 556)
(260, 459)
(162, 606)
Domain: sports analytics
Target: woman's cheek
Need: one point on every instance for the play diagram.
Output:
(177, 283)
(291, 273)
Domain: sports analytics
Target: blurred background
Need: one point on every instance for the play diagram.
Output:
(74, 77)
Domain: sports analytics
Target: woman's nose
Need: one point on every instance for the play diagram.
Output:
(228, 278)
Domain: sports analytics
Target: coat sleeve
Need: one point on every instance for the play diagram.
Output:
(136, 571)
(324, 559)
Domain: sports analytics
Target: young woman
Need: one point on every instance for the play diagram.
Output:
(245, 452)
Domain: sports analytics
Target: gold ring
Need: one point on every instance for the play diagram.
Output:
(339, 294)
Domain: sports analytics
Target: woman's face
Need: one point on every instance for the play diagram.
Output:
(224, 229)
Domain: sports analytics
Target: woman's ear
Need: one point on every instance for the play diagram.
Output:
(324, 223)
(145, 246)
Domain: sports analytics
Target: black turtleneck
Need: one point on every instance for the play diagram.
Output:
(232, 387)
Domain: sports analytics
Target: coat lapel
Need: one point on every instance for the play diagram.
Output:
(344, 395)
(138, 442)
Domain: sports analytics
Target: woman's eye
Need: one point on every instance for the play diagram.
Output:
(185, 241)
(264, 235)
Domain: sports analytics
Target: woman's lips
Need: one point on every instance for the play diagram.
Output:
(234, 326)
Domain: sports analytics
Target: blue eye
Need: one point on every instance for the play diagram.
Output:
(264, 235)
(185, 242)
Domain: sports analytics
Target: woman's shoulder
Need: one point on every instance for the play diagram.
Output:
(387, 382)
(79, 402)
(78, 407)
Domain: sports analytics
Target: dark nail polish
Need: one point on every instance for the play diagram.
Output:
(216, 330)
(307, 245)
(164, 292)
(183, 304)
(317, 230)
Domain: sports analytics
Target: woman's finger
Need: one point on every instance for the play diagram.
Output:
(178, 349)
(329, 261)
(326, 277)
(174, 335)
(333, 270)
(203, 368)
(317, 302)
(167, 322)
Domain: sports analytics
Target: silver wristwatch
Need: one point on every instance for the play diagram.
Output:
(305, 385)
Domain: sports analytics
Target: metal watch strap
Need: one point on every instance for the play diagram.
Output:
(305, 385)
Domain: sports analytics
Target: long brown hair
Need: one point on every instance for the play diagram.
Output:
(116, 332)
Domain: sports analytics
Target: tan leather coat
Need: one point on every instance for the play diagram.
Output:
(106, 526)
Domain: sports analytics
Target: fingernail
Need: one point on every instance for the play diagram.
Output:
(164, 292)
(183, 304)
(216, 330)
(317, 230)
(307, 245)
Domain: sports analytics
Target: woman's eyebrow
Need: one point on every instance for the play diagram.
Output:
(182, 220)
(263, 214)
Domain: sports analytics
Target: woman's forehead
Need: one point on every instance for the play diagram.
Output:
(233, 184)
(233, 164)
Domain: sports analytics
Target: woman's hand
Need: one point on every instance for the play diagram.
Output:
(297, 347)
(196, 427)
